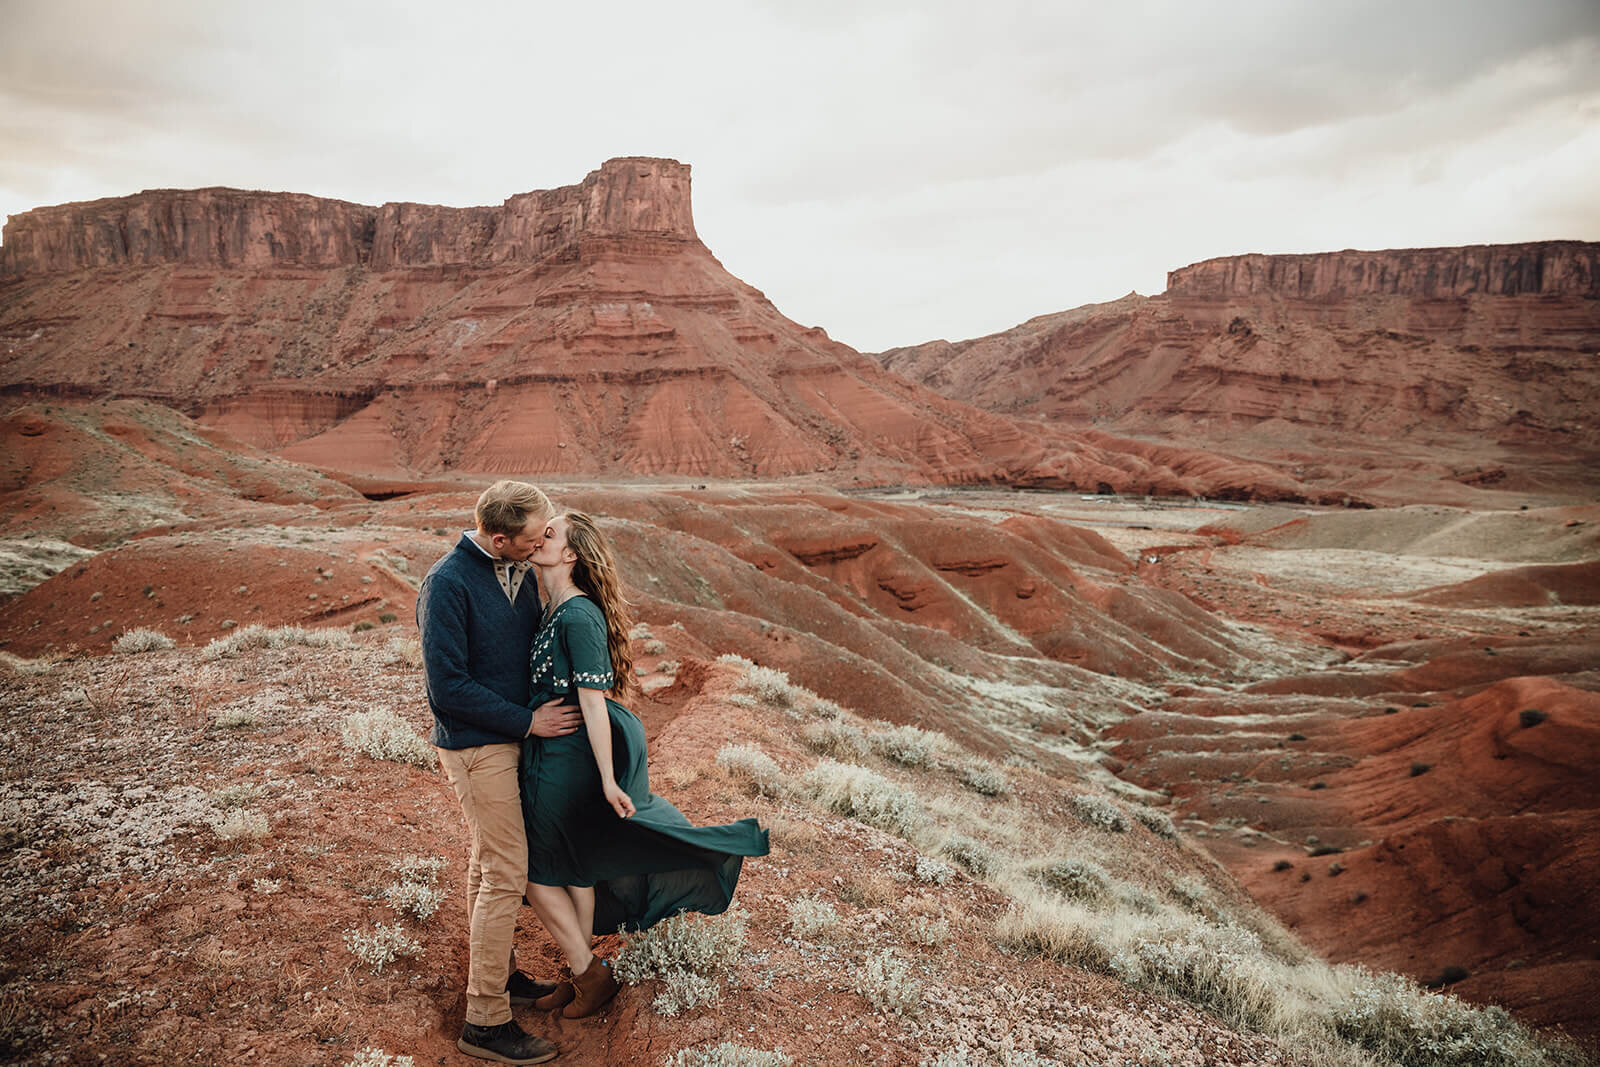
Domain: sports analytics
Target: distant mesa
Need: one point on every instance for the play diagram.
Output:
(1542, 268)
(232, 228)
(1391, 373)
(584, 330)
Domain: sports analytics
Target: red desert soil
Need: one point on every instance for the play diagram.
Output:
(1454, 833)
(134, 933)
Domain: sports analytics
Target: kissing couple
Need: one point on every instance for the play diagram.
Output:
(549, 769)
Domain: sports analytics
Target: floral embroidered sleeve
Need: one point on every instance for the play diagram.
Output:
(583, 635)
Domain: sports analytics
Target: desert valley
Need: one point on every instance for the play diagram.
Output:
(1150, 683)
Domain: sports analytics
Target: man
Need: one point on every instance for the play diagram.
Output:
(478, 609)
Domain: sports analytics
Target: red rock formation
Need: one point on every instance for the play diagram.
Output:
(1543, 268)
(577, 330)
(1481, 360)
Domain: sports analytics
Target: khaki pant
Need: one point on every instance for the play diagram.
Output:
(485, 781)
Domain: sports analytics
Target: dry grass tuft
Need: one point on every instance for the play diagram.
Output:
(758, 771)
(861, 794)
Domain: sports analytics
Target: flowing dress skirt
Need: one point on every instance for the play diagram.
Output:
(645, 868)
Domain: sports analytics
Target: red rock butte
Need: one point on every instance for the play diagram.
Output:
(582, 330)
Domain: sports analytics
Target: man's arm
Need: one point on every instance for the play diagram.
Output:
(442, 618)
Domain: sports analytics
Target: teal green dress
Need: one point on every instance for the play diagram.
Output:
(645, 868)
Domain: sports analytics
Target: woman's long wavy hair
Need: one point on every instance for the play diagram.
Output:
(595, 573)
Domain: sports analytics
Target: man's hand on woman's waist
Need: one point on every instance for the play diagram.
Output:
(555, 719)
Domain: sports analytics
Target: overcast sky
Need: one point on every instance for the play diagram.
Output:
(892, 172)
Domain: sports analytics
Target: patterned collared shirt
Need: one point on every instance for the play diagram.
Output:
(509, 572)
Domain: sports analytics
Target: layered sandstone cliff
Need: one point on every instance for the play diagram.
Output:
(583, 330)
(1323, 361)
(233, 228)
(1544, 268)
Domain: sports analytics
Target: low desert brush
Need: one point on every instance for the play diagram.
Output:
(885, 980)
(384, 735)
(256, 636)
(240, 824)
(811, 918)
(1388, 1015)
(381, 945)
(142, 641)
(910, 746)
(927, 931)
(727, 1054)
(1075, 879)
(974, 857)
(377, 1057)
(859, 793)
(1157, 822)
(1099, 812)
(837, 738)
(748, 764)
(687, 954)
(769, 686)
(984, 780)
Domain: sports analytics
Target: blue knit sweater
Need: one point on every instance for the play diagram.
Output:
(475, 650)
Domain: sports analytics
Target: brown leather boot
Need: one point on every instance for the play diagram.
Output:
(594, 987)
(559, 997)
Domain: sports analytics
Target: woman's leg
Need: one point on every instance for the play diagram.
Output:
(560, 917)
(583, 903)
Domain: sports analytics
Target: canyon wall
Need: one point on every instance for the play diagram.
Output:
(232, 228)
(1466, 363)
(1543, 268)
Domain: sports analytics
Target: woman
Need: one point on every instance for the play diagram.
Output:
(603, 851)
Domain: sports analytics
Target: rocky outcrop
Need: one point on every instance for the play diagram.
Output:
(197, 227)
(232, 228)
(635, 197)
(1544, 268)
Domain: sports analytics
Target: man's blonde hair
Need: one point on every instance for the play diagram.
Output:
(507, 507)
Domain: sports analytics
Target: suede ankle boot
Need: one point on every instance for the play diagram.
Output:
(594, 988)
(559, 997)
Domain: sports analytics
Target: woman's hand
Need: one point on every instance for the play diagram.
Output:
(620, 802)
